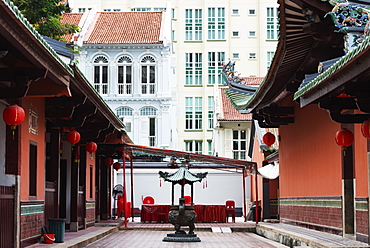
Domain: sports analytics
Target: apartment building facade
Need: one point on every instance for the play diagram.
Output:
(205, 35)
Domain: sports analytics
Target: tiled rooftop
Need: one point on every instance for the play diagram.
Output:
(252, 80)
(229, 112)
(125, 28)
(71, 18)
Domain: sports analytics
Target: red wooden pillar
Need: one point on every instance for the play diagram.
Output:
(132, 189)
(244, 197)
(124, 188)
(256, 178)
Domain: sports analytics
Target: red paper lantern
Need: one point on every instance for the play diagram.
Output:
(117, 166)
(344, 137)
(109, 161)
(365, 129)
(73, 137)
(91, 147)
(13, 115)
(268, 138)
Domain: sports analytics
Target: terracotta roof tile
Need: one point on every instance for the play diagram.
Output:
(229, 112)
(126, 28)
(70, 18)
(252, 80)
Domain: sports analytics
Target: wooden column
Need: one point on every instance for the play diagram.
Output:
(55, 165)
(348, 173)
(75, 164)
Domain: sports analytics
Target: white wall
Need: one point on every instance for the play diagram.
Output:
(5, 180)
(221, 186)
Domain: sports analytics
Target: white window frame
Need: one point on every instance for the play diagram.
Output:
(194, 146)
(193, 113)
(216, 61)
(211, 112)
(239, 145)
(125, 115)
(151, 113)
(124, 75)
(193, 68)
(270, 57)
(216, 24)
(210, 147)
(193, 24)
(235, 33)
(101, 74)
(141, 9)
(148, 75)
(272, 23)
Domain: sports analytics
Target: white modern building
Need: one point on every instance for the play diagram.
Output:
(206, 34)
(128, 58)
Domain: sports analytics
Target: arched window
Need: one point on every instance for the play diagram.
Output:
(125, 115)
(124, 111)
(101, 74)
(148, 75)
(124, 75)
(148, 111)
(151, 113)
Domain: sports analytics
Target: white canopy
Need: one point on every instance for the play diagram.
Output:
(270, 171)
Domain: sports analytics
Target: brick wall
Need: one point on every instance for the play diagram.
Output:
(319, 213)
(362, 219)
(31, 226)
(90, 213)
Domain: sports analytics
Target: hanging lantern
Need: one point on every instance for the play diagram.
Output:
(73, 137)
(268, 138)
(108, 161)
(365, 129)
(344, 137)
(91, 147)
(117, 166)
(13, 115)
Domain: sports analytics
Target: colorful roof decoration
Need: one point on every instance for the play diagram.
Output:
(229, 113)
(347, 16)
(241, 89)
(182, 174)
(338, 65)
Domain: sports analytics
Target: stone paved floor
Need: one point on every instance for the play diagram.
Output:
(153, 239)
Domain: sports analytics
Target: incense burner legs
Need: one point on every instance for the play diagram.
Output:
(182, 215)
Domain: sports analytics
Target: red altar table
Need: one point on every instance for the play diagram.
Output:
(205, 213)
(154, 213)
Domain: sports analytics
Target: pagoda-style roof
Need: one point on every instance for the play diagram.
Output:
(182, 174)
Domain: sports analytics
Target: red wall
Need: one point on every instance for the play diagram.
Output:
(39, 139)
(310, 160)
(361, 171)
